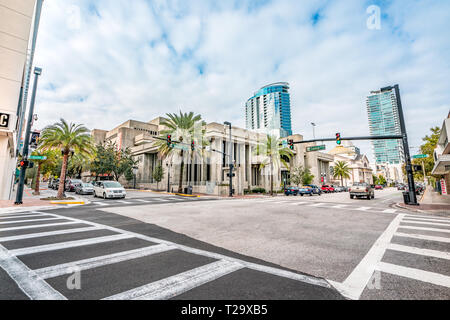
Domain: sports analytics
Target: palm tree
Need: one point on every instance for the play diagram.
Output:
(341, 170)
(183, 128)
(272, 148)
(67, 138)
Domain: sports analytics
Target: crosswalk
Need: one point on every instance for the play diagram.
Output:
(17, 252)
(409, 248)
(323, 205)
(149, 200)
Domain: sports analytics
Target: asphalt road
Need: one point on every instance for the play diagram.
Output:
(157, 246)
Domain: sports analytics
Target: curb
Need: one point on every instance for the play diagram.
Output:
(186, 195)
(67, 202)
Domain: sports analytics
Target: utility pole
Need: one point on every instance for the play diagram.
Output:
(314, 131)
(230, 159)
(409, 170)
(26, 143)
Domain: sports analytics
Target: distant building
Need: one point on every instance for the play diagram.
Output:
(269, 110)
(207, 171)
(360, 169)
(384, 120)
(442, 158)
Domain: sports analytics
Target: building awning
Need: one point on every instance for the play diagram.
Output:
(442, 165)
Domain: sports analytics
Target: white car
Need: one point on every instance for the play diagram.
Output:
(109, 189)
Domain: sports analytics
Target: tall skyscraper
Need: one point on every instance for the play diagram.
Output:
(384, 120)
(270, 109)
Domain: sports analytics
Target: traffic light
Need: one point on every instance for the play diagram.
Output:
(417, 167)
(192, 145)
(24, 163)
(169, 140)
(291, 144)
(338, 138)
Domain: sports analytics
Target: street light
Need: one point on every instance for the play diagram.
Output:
(135, 171)
(230, 159)
(314, 133)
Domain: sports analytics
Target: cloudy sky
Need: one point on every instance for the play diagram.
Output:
(107, 61)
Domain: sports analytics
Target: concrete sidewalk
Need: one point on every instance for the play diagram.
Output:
(431, 202)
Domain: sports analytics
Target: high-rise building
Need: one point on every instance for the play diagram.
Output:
(18, 30)
(384, 120)
(270, 109)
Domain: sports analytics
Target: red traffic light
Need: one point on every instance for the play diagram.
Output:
(338, 138)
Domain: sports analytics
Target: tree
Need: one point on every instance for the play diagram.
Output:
(158, 174)
(301, 175)
(430, 143)
(274, 151)
(341, 170)
(49, 158)
(307, 177)
(66, 138)
(381, 180)
(183, 128)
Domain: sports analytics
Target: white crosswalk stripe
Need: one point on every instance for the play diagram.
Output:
(58, 270)
(69, 244)
(38, 226)
(389, 211)
(123, 201)
(425, 229)
(419, 251)
(180, 283)
(422, 237)
(446, 222)
(426, 223)
(47, 234)
(21, 217)
(100, 203)
(28, 220)
(363, 208)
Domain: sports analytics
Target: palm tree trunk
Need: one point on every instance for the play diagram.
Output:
(62, 176)
(38, 174)
(180, 182)
(271, 177)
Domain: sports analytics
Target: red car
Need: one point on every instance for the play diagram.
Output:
(327, 189)
(378, 187)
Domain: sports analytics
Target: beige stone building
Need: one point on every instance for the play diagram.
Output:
(360, 170)
(206, 171)
(17, 19)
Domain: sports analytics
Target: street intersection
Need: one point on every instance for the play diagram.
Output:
(159, 246)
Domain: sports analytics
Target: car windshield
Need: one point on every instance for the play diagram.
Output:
(87, 185)
(112, 184)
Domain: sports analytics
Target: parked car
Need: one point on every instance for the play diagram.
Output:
(290, 191)
(362, 189)
(378, 187)
(54, 184)
(315, 189)
(401, 187)
(305, 190)
(327, 189)
(71, 184)
(84, 188)
(338, 188)
(109, 189)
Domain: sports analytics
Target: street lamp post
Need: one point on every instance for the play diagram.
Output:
(230, 159)
(135, 171)
(26, 143)
(314, 131)
(168, 177)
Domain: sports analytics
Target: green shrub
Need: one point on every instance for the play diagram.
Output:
(258, 190)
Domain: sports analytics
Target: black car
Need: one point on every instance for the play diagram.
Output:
(291, 191)
(54, 184)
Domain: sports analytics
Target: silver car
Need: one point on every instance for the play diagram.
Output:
(84, 188)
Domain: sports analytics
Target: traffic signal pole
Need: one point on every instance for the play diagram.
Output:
(19, 195)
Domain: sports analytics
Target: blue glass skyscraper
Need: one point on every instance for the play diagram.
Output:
(270, 109)
(384, 120)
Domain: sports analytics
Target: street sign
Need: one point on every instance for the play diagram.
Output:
(315, 148)
(284, 143)
(37, 157)
(419, 156)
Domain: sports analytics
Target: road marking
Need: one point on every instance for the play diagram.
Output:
(389, 211)
(40, 225)
(101, 203)
(420, 251)
(416, 274)
(426, 223)
(46, 234)
(430, 220)
(68, 244)
(355, 283)
(62, 269)
(123, 201)
(142, 200)
(428, 217)
(298, 203)
(423, 228)
(316, 204)
(33, 286)
(180, 283)
(364, 208)
(27, 216)
(32, 220)
(340, 206)
(422, 237)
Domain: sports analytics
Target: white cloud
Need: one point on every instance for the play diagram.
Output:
(140, 59)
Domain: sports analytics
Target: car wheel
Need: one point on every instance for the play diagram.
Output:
(369, 197)
(351, 197)
(310, 194)
(104, 195)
